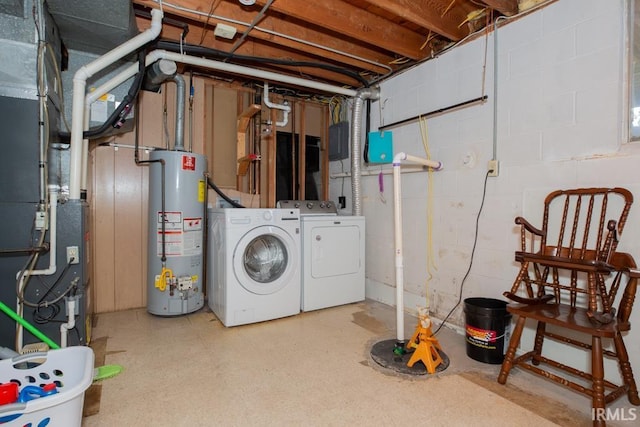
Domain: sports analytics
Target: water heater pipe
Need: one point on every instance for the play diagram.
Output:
(286, 109)
(79, 88)
(397, 220)
(180, 103)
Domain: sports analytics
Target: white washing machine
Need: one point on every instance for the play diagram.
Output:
(254, 264)
(333, 255)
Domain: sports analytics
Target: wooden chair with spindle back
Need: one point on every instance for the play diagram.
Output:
(570, 274)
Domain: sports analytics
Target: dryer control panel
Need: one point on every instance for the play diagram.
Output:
(310, 207)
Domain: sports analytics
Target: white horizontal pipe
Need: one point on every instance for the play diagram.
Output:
(79, 88)
(118, 79)
(378, 172)
(252, 72)
(398, 158)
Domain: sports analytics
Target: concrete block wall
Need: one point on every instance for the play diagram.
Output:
(561, 123)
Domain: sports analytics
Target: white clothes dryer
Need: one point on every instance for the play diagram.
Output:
(254, 264)
(333, 255)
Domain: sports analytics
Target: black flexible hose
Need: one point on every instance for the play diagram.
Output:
(224, 196)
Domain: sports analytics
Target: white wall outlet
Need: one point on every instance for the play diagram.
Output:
(73, 255)
(493, 167)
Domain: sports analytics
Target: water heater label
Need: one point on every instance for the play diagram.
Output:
(192, 224)
(171, 219)
(202, 188)
(182, 236)
(188, 163)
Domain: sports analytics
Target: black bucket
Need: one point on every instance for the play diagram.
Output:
(487, 325)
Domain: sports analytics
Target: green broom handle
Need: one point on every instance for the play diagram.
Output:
(28, 326)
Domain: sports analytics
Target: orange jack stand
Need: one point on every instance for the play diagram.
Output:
(426, 346)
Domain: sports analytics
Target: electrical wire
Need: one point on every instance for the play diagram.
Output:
(24, 301)
(473, 250)
(210, 53)
(285, 36)
(224, 196)
(431, 265)
(214, 4)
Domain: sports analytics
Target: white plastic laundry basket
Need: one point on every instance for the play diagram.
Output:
(71, 369)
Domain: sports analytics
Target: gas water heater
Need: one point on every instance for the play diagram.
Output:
(177, 189)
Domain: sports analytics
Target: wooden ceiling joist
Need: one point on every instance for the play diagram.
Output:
(427, 14)
(354, 22)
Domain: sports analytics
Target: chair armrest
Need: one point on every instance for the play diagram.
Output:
(633, 272)
(587, 265)
(523, 222)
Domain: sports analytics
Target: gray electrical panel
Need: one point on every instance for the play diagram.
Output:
(339, 141)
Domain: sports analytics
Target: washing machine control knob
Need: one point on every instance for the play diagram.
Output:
(267, 215)
(296, 205)
(322, 205)
(309, 205)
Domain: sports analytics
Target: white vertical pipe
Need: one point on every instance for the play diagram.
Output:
(284, 107)
(397, 220)
(71, 321)
(79, 88)
(85, 149)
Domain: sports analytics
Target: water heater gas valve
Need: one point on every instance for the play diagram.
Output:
(185, 283)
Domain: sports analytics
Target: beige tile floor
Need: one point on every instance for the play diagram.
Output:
(313, 369)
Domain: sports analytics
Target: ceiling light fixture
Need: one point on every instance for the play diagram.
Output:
(248, 2)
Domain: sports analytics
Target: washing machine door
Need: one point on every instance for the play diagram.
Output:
(264, 260)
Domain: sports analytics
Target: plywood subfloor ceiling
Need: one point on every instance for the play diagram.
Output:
(344, 42)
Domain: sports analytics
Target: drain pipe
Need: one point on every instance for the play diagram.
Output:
(286, 109)
(397, 220)
(79, 89)
(356, 125)
(71, 318)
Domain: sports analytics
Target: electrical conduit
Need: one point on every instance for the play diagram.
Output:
(79, 89)
(397, 220)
